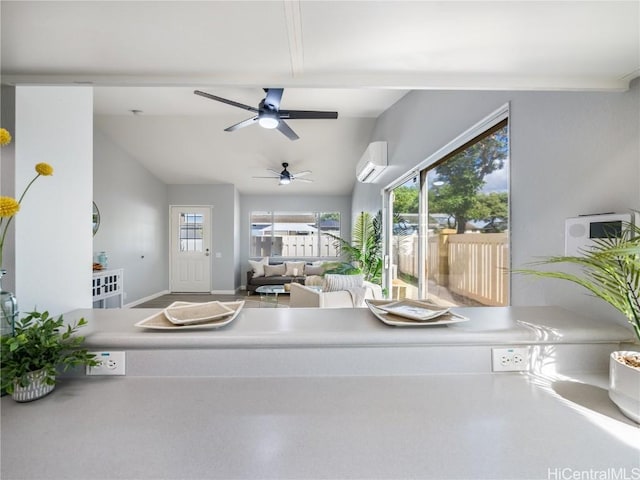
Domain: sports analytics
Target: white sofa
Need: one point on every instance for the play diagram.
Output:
(304, 297)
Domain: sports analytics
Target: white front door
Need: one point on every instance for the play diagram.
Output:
(190, 249)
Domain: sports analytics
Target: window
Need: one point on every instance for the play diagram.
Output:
(450, 225)
(294, 234)
(190, 232)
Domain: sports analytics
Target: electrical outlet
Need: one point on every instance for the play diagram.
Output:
(514, 359)
(111, 363)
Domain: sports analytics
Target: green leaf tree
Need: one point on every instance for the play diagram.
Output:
(464, 175)
(406, 200)
(494, 209)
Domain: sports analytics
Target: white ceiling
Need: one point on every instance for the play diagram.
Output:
(355, 57)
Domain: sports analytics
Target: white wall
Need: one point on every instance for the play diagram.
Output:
(134, 220)
(223, 199)
(53, 228)
(288, 203)
(571, 153)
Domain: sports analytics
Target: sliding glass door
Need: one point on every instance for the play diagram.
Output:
(448, 226)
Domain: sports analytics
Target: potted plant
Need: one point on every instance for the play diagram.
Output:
(611, 272)
(365, 249)
(31, 357)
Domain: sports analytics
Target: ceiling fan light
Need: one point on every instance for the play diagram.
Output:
(285, 181)
(269, 120)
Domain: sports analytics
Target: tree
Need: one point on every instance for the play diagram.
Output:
(406, 200)
(463, 176)
(494, 209)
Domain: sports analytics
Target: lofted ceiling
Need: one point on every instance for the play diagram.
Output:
(354, 57)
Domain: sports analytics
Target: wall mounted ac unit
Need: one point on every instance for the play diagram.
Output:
(372, 163)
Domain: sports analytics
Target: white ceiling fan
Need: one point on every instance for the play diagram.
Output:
(285, 177)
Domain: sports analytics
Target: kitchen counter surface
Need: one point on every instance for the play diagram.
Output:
(509, 426)
(299, 327)
(331, 394)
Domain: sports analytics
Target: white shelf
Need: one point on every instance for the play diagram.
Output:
(107, 284)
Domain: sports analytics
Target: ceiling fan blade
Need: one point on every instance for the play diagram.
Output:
(270, 178)
(224, 100)
(274, 95)
(242, 124)
(286, 130)
(296, 179)
(306, 114)
(301, 174)
(274, 172)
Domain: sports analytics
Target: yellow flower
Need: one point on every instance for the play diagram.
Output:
(8, 206)
(44, 169)
(5, 137)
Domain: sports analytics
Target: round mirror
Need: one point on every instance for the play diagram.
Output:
(96, 218)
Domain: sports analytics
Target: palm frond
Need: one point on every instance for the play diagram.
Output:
(610, 270)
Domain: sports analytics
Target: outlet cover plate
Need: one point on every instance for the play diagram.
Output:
(510, 359)
(111, 363)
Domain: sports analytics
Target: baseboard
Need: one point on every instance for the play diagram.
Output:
(146, 299)
(223, 292)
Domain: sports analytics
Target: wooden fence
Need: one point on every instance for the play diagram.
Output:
(478, 266)
(473, 265)
(296, 246)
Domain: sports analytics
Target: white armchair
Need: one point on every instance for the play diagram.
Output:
(304, 297)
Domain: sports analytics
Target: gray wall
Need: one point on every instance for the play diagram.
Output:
(224, 230)
(571, 153)
(296, 203)
(7, 182)
(134, 219)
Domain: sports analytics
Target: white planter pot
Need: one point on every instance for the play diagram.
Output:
(37, 388)
(624, 385)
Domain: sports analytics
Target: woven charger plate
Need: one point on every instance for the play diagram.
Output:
(196, 312)
(398, 321)
(158, 321)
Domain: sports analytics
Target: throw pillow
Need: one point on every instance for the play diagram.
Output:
(335, 282)
(258, 266)
(274, 270)
(313, 269)
(294, 268)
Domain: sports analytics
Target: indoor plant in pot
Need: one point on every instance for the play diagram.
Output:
(611, 272)
(31, 357)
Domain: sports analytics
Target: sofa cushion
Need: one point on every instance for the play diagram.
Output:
(294, 268)
(336, 283)
(273, 270)
(313, 270)
(258, 266)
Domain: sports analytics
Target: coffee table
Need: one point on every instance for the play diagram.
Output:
(269, 294)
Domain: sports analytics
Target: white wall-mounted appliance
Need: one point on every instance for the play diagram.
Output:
(580, 232)
(372, 163)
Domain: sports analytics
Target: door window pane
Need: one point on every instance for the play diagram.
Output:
(190, 232)
(405, 267)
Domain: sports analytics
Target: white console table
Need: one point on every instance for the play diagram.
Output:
(106, 284)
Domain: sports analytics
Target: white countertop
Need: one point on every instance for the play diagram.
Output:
(330, 393)
(506, 426)
(282, 327)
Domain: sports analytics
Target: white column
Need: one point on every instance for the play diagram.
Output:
(54, 124)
